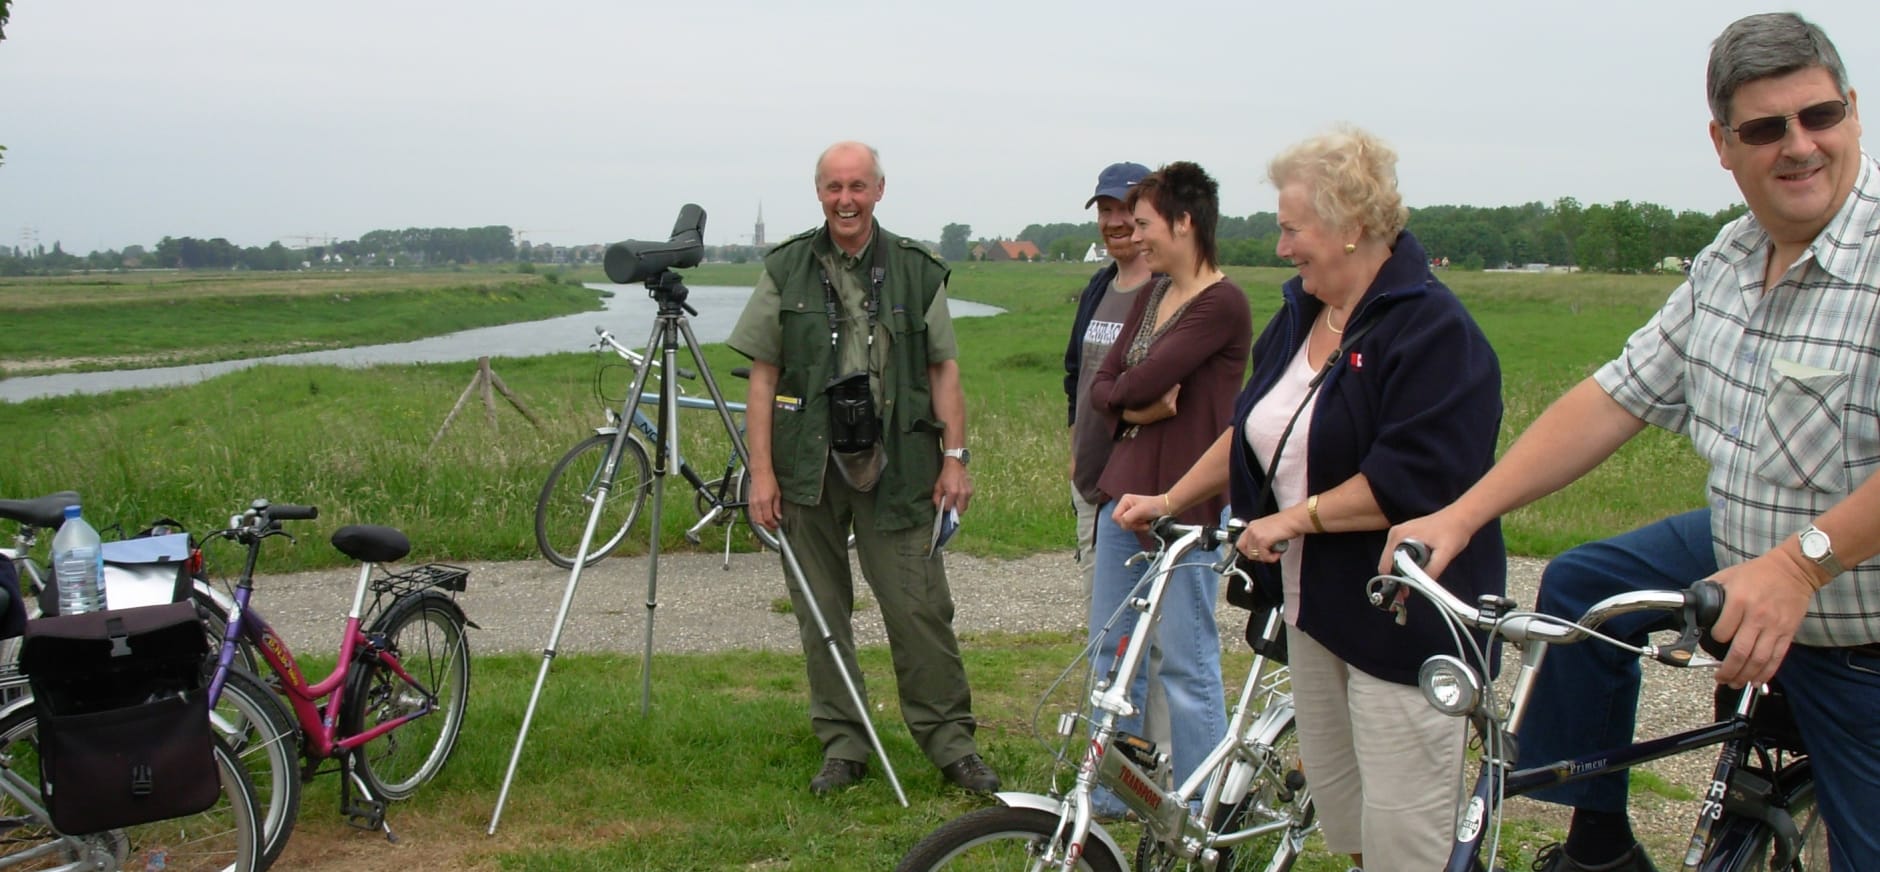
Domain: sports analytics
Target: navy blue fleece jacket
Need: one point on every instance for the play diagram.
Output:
(1414, 405)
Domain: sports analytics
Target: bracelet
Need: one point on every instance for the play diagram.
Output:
(1167, 507)
(1312, 511)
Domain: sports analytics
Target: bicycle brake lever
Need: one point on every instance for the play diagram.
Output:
(1683, 652)
(1140, 558)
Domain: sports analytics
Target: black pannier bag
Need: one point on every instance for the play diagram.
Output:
(124, 735)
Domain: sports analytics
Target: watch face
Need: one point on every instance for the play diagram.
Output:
(1814, 544)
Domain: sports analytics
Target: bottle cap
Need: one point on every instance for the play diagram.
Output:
(71, 511)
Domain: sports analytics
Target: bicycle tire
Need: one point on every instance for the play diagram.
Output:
(1813, 856)
(998, 838)
(426, 632)
(1262, 801)
(223, 838)
(257, 727)
(568, 494)
(765, 538)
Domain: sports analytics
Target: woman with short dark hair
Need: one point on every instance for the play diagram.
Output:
(1182, 349)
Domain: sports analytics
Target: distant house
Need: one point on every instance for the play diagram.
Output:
(1095, 254)
(1006, 250)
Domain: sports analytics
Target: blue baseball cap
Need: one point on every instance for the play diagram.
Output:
(1116, 180)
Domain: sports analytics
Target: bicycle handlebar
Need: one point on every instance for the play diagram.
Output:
(1700, 606)
(608, 341)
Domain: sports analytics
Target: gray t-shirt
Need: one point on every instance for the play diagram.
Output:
(1093, 434)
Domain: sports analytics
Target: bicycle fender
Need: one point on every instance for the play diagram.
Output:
(422, 595)
(1035, 802)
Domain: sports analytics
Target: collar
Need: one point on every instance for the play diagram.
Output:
(1837, 248)
(823, 246)
(1405, 273)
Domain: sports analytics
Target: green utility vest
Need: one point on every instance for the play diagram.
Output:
(910, 432)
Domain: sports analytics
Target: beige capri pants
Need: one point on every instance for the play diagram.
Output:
(1384, 766)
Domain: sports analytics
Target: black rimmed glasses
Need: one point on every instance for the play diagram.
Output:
(1762, 131)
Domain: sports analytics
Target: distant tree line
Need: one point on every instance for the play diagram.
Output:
(414, 247)
(1619, 237)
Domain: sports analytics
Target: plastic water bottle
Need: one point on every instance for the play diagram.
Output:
(78, 565)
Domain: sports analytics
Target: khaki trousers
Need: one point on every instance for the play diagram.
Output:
(916, 606)
(1384, 767)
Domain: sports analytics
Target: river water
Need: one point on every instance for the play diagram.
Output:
(629, 315)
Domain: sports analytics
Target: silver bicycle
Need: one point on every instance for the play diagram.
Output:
(1245, 807)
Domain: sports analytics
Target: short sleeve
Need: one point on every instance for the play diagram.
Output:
(940, 342)
(1648, 377)
(759, 335)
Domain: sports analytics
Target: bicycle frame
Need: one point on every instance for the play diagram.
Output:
(1737, 802)
(316, 705)
(1135, 776)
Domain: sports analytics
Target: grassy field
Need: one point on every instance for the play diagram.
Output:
(357, 442)
(713, 777)
(130, 320)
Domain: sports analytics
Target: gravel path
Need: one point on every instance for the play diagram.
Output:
(704, 606)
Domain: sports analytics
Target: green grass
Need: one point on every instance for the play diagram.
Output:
(357, 442)
(56, 325)
(713, 777)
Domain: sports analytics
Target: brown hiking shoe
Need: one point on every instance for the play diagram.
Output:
(972, 773)
(837, 774)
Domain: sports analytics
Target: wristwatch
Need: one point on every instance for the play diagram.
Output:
(1817, 547)
(960, 454)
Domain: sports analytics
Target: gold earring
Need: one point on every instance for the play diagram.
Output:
(1351, 247)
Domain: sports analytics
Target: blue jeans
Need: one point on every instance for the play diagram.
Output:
(1191, 646)
(1586, 694)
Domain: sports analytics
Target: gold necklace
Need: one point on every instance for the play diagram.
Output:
(1336, 331)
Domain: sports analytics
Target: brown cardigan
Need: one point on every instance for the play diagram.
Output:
(1205, 351)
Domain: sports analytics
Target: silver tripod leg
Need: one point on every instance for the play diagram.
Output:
(829, 639)
(580, 562)
(554, 637)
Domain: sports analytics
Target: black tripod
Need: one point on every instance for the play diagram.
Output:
(670, 329)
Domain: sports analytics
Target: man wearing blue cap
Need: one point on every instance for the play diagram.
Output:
(1101, 311)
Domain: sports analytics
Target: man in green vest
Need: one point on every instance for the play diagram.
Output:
(857, 421)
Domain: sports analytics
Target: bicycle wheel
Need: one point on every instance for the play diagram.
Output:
(998, 838)
(257, 727)
(766, 538)
(225, 837)
(561, 512)
(426, 633)
(1812, 848)
(1264, 797)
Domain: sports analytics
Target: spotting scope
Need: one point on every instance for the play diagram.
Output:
(632, 261)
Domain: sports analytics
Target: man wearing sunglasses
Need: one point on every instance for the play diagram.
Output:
(1768, 358)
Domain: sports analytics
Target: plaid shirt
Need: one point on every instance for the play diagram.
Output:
(1779, 391)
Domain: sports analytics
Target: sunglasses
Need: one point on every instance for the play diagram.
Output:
(1762, 131)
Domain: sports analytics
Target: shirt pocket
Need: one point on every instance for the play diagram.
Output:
(1802, 445)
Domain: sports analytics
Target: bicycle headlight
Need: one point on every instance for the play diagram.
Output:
(1449, 685)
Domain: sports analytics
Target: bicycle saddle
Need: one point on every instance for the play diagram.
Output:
(371, 543)
(47, 512)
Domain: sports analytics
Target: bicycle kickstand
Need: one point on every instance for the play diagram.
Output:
(362, 812)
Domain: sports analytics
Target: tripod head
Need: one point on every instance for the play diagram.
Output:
(669, 291)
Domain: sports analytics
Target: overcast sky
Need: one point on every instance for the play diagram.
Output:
(595, 120)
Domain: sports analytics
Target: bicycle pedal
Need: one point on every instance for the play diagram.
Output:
(691, 537)
(365, 814)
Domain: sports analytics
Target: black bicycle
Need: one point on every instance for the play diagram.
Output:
(1759, 809)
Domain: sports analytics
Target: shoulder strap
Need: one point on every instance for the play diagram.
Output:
(1312, 389)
